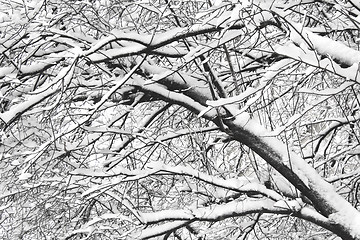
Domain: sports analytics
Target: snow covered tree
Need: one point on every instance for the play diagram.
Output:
(179, 119)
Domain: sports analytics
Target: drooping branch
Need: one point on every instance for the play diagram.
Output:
(232, 209)
(301, 175)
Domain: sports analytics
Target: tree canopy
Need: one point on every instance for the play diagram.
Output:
(179, 119)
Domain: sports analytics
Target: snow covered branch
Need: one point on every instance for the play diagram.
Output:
(221, 212)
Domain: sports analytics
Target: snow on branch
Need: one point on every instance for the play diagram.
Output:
(221, 212)
(146, 43)
(174, 97)
(241, 184)
(159, 230)
(39, 95)
(214, 212)
(193, 85)
(303, 176)
(323, 45)
(171, 135)
(118, 85)
(311, 58)
(270, 73)
(34, 68)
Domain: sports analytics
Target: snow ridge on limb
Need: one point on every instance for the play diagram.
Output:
(174, 97)
(180, 217)
(304, 37)
(305, 46)
(48, 90)
(30, 69)
(149, 43)
(305, 178)
(193, 86)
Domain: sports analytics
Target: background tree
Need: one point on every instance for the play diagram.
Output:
(179, 119)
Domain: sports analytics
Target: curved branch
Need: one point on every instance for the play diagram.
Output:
(232, 209)
(301, 175)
